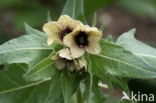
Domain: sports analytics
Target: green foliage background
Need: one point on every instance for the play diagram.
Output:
(36, 80)
(14, 12)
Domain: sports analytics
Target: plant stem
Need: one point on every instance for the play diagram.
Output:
(91, 84)
(79, 96)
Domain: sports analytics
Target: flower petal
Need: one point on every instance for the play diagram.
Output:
(60, 64)
(95, 35)
(67, 21)
(65, 53)
(55, 57)
(82, 63)
(68, 40)
(52, 29)
(93, 48)
(50, 40)
(71, 66)
(77, 52)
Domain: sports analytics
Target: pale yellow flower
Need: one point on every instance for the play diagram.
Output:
(65, 53)
(56, 30)
(62, 63)
(62, 57)
(82, 63)
(63, 60)
(83, 38)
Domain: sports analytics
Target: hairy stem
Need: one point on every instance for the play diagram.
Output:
(79, 96)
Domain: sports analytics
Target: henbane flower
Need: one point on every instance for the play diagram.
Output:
(56, 30)
(83, 38)
(63, 60)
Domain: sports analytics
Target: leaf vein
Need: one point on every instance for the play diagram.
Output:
(25, 86)
(19, 49)
(107, 57)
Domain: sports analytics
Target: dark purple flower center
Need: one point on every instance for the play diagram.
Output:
(65, 32)
(81, 39)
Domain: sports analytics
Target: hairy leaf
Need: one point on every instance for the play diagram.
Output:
(74, 8)
(115, 60)
(32, 50)
(138, 48)
(94, 23)
(88, 87)
(30, 30)
(109, 38)
(41, 70)
(55, 94)
(14, 89)
(98, 95)
(28, 49)
(69, 84)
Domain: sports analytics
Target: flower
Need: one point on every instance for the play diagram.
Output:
(63, 60)
(56, 30)
(65, 53)
(71, 65)
(83, 38)
(62, 63)
(82, 63)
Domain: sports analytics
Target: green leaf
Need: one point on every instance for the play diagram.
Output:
(109, 38)
(92, 92)
(32, 50)
(98, 95)
(49, 19)
(41, 70)
(29, 49)
(88, 87)
(115, 60)
(74, 8)
(44, 67)
(55, 94)
(102, 27)
(138, 48)
(15, 89)
(94, 23)
(69, 84)
(30, 30)
(116, 82)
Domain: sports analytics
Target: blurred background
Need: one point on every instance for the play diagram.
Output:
(118, 16)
